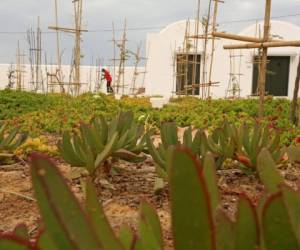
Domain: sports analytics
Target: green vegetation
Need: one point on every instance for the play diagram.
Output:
(94, 129)
(52, 113)
(197, 222)
(9, 142)
(121, 138)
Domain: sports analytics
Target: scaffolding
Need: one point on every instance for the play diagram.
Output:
(124, 54)
(11, 75)
(98, 79)
(34, 40)
(20, 68)
(200, 63)
(233, 90)
(137, 90)
(75, 80)
(181, 63)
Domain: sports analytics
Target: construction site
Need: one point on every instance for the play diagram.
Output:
(182, 59)
(150, 125)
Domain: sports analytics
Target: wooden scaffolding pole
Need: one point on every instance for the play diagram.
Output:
(264, 58)
(262, 44)
(196, 44)
(77, 31)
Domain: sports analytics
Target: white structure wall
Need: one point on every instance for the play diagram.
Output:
(160, 79)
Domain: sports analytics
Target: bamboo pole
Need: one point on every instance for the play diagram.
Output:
(214, 28)
(194, 74)
(294, 105)
(263, 45)
(263, 65)
(114, 52)
(237, 37)
(204, 66)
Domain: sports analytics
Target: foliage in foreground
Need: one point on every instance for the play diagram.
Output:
(120, 138)
(197, 222)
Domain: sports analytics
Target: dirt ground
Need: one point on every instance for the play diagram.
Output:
(121, 194)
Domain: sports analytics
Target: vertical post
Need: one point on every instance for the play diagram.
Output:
(77, 56)
(114, 60)
(57, 42)
(195, 55)
(185, 59)
(294, 105)
(214, 29)
(264, 58)
(204, 68)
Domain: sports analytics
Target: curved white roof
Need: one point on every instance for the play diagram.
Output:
(175, 24)
(275, 24)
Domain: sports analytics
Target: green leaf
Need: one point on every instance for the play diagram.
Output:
(99, 221)
(126, 237)
(292, 202)
(64, 219)
(247, 229)
(46, 242)
(150, 233)
(169, 135)
(13, 243)
(107, 151)
(192, 220)
(277, 228)
(267, 171)
(155, 154)
(9, 139)
(225, 235)
(196, 144)
(210, 176)
(68, 153)
(188, 138)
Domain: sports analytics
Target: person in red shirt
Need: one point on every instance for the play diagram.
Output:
(107, 76)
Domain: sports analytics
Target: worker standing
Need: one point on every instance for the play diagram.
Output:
(107, 76)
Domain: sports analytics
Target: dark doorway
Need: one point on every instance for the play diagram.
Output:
(185, 71)
(277, 81)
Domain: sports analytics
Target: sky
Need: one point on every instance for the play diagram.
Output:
(17, 16)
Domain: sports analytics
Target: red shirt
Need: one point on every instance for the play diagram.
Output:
(107, 76)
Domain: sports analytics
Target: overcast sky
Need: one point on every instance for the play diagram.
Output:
(19, 15)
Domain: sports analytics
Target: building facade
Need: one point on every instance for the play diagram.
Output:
(235, 71)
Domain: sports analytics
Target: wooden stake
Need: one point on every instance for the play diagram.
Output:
(294, 105)
(263, 65)
(264, 45)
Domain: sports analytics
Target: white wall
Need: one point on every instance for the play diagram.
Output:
(160, 79)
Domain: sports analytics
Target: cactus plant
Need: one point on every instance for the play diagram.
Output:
(250, 142)
(169, 139)
(120, 138)
(67, 226)
(10, 140)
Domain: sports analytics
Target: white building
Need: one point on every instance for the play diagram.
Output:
(166, 45)
(282, 66)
